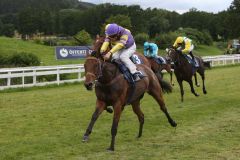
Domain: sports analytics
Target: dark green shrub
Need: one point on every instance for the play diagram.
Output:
(140, 38)
(22, 60)
(83, 38)
(165, 40)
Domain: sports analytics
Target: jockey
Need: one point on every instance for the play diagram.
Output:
(123, 47)
(151, 50)
(184, 45)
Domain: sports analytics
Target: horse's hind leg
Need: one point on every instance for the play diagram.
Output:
(100, 106)
(156, 92)
(137, 110)
(196, 82)
(192, 88)
(201, 72)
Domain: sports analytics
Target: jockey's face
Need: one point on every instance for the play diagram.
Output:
(113, 37)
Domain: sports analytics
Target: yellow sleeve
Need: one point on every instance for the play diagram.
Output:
(175, 44)
(117, 47)
(187, 47)
(104, 47)
(123, 39)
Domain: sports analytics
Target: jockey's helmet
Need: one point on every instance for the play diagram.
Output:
(111, 29)
(146, 45)
(179, 40)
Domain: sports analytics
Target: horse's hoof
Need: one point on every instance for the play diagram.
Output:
(173, 124)
(205, 92)
(196, 94)
(198, 85)
(110, 149)
(139, 136)
(109, 110)
(85, 139)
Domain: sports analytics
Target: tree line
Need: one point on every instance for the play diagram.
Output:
(68, 17)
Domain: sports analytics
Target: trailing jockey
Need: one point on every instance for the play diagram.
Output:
(151, 51)
(184, 45)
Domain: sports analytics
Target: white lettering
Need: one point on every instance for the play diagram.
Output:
(74, 52)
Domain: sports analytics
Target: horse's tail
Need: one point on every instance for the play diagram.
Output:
(166, 86)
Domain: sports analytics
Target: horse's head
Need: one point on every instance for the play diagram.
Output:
(97, 46)
(92, 68)
(171, 54)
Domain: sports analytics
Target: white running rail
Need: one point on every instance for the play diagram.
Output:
(7, 74)
(222, 59)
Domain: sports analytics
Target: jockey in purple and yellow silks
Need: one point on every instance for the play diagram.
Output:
(184, 45)
(123, 47)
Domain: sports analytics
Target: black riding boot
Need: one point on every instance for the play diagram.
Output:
(193, 58)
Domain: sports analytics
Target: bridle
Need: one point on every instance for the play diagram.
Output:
(99, 73)
(169, 55)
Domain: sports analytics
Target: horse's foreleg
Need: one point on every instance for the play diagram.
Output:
(196, 82)
(192, 88)
(157, 95)
(181, 89)
(116, 118)
(100, 106)
(169, 70)
(137, 110)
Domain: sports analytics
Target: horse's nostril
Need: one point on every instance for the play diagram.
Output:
(88, 85)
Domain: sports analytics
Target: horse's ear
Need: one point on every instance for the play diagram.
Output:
(97, 36)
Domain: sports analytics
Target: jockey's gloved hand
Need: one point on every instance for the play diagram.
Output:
(94, 53)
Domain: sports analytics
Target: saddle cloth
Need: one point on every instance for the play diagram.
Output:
(160, 60)
(189, 58)
(125, 71)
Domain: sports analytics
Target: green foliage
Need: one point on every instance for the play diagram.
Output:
(165, 40)
(197, 36)
(141, 38)
(83, 38)
(119, 19)
(23, 60)
(70, 16)
(158, 25)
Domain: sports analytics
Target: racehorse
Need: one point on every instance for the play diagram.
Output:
(157, 68)
(184, 70)
(112, 89)
(140, 59)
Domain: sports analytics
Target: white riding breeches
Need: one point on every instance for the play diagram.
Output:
(124, 55)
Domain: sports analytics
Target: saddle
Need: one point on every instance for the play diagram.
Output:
(125, 71)
(194, 63)
(159, 60)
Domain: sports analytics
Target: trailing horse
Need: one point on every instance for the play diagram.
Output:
(158, 67)
(184, 70)
(112, 89)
